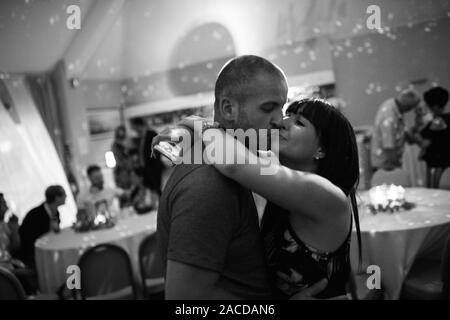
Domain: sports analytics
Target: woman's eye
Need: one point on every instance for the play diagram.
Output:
(299, 123)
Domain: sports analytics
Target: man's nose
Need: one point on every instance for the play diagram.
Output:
(277, 120)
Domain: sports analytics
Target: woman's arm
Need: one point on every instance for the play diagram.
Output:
(304, 193)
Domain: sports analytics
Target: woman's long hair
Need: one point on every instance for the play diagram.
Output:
(337, 139)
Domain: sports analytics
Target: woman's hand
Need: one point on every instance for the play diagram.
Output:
(190, 129)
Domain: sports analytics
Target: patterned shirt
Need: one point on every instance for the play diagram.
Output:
(388, 133)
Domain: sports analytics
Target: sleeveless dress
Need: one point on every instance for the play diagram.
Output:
(286, 251)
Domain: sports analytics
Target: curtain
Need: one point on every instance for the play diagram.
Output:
(29, 162)
(43, 92)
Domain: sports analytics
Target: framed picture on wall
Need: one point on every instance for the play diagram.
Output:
(163, 120)
(103, 122)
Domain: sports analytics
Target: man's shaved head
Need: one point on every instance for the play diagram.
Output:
(236, 75)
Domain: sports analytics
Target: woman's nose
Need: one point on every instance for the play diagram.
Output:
(286, 122)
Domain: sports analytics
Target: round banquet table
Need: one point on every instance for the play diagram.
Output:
(393, 241)
(54, 252)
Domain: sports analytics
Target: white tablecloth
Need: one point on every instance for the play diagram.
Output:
(55, 252)
(394, 241)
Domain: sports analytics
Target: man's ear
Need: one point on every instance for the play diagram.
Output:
(229, 109)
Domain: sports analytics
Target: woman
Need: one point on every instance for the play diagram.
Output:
(308, 221)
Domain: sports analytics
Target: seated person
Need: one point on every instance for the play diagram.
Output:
(41, 220)
(9, 244)
(97, 194)
(9, 236)
(142, 198)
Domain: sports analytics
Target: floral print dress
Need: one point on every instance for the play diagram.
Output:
(286, 253)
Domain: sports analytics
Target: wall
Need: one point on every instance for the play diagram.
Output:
(373, 67)
(101, 95)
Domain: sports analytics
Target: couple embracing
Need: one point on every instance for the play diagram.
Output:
(226, 231)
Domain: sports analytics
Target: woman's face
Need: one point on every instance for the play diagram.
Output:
(298, 143)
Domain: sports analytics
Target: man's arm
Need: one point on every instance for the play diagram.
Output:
(188, 282)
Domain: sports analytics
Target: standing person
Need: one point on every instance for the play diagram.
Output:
(121, 148)
(437, 133)
(153, 167)
(389, 133)
(208, 225)
(41, 220)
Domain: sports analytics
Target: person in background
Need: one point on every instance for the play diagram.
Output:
(9, 245)
(123, 181)
(389, 132)
(152, 166)
(436, 150)
(142, 198)
(9, 234)
(41, 220)
(121, 148)
(97, 193)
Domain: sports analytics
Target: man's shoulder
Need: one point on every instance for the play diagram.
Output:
(38, 209)
(34, 213)
(200, 176)
(386, 108)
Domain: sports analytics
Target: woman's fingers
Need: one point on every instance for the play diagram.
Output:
(316, 288)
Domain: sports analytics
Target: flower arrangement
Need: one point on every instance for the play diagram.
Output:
(387, 198)
(88, 220)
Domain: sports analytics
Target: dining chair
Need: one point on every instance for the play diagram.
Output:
(10, 287)
(397, 176)
(151, 267)
(357, 287)
(429, 279)
(106, 274)
(444, 182)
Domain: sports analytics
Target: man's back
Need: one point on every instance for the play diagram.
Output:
(388, 134)
(208, 221)
(35, 224)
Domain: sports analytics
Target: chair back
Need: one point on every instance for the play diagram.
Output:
(444, 182)
(150, 262)
(445, 270)
(105, 269)
(10, 287)
(397, 176)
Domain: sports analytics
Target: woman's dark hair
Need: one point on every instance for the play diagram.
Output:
(338, 141)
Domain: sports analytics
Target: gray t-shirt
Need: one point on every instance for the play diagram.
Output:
(209, 221)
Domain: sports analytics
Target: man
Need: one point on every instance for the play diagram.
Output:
(41, 220)
(208, 230)
(97, 195)
(153, 166)
(389, 133)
